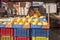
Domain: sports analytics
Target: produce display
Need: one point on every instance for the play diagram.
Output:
(33, 20)
(24, 22)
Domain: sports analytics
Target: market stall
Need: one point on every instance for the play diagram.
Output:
(29, 25)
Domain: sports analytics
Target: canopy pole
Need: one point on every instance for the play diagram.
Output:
(49, 15)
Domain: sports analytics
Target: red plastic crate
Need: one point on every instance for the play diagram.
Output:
(21, 38)
(6, 32)
(0, 31)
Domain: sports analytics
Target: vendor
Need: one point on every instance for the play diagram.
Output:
(4, 12)
(34, 11)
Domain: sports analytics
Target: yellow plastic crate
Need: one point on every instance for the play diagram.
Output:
(40, 38)
(0, 37)
(6, 37)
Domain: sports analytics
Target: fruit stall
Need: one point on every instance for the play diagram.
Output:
(21, 25)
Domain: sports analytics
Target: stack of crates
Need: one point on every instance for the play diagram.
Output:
(6, 34)
(24, 32)
(21, 34)
(40, 34)
(14, 34)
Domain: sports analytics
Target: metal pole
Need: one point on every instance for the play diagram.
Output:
(48, 14)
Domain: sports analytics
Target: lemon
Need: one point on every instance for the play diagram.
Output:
(34, 23)
(21, 23)
(1, 22)
(39, 23)
(9, 22)
(36, 16)
(45, 23)
(26, 23)
(30, 20)
(36, 20)
(24, 20)
(19, 19)
(12, 19)
(41, 17)
(32, 16)
(28, 16)
(15, 22)
(5, 22)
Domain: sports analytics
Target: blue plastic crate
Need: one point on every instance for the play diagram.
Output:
(15, 31)
(33, 18)
(40, 32)
(42, 19)
(17, 26)
(2, 25)
(36, 26)
(21, 32)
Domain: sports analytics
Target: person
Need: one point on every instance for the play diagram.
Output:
(31, 13)
(4, 12)
(36, 12)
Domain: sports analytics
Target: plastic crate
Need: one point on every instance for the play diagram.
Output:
(6, 32)
(40, 32)
(21, 32)
(36, 26)
(17, 26)
(43, 19)
(21, 38)
(45, 27)
(2, 25)
(9, 26)
(40, 38)
(26, 26)
(6, 37)
(0, 31)
(33, 18)
(0, 37)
